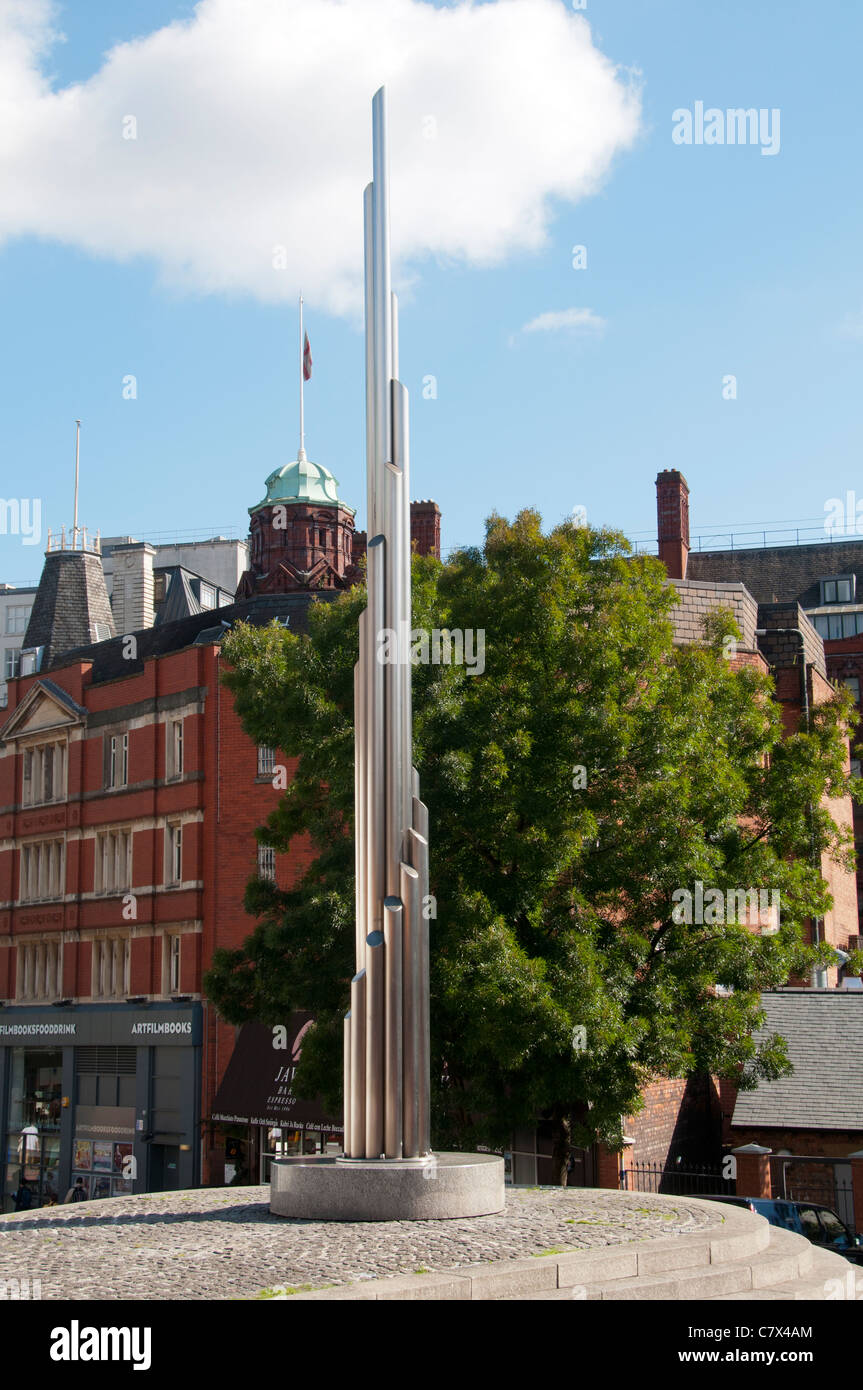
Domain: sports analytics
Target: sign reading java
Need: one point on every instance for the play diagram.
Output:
(257, 1086)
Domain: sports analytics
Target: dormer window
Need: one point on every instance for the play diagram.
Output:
(840, 589)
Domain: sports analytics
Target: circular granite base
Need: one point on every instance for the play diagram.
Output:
(355, 1189)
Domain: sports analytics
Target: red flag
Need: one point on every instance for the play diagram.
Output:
(307, 359)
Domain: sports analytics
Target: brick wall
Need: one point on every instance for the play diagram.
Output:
(681, 1119)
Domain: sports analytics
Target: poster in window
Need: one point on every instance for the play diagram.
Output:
(102, 1155)
(101, 1187)
(121, 1153)
(83, 1154)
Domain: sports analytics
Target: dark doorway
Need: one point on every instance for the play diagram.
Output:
(164, 1167)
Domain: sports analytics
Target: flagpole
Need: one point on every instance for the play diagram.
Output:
(302, 453)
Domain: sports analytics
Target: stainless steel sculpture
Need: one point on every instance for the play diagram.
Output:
(387, 1160)
(386, 1056)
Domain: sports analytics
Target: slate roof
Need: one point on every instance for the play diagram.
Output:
(70, 606)
(210, 625)
(824, 1032)
(780, 572)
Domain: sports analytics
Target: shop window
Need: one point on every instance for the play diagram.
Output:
(33, 1126)
(42, 871)
(113, 867)
(43, 773)
(116, 760)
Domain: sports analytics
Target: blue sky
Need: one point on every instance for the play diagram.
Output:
(703, 261)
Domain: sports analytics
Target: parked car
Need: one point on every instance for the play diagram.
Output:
(819, 1224)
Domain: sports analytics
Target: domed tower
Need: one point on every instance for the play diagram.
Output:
(301, 534)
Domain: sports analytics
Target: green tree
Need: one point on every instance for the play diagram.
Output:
(588, 774)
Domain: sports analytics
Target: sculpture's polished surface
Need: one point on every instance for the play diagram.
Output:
(387, 1028)
(388, 1172)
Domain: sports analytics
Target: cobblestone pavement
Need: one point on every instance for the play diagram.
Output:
(223, 1243)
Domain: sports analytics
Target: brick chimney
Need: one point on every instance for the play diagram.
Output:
(425, 528)
(672, 513)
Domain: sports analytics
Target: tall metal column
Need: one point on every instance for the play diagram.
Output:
(386, 1030)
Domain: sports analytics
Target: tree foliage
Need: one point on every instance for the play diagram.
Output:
(561, 983)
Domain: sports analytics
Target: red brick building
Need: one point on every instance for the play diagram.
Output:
(129, 797)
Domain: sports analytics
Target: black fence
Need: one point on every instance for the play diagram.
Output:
(697, 1180)
(807, 1178)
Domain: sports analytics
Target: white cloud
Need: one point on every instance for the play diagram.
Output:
(565, 320)
(253, 132)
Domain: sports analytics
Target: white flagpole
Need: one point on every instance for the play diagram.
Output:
(302, 453)
(77, 459)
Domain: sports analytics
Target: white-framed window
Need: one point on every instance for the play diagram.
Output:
(42, 871)
(11, 663)
(112, 958)
(208, 596)
(838, 589)
(173, 852)
(17, 618)
(266, 760)
(113, 861)
(174, 756)
(116, 760)
(39, 972)
(43, 775)
(174, 976)
(267, 862)
(835, 626)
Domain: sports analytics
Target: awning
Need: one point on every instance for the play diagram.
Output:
(256, 1088)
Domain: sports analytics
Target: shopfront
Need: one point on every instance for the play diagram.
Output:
(256, 1112)
(102, 1099)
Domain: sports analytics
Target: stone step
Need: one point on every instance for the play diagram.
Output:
(714, 1253)
(829, 1277)
(786, 1258)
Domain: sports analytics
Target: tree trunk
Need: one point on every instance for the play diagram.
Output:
(561, 1135)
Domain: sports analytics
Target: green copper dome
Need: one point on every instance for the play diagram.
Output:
(302, 481)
